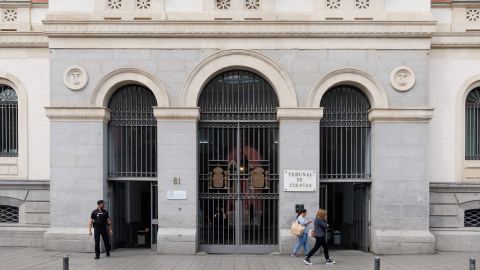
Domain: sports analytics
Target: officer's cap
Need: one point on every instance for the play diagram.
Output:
(101, 201)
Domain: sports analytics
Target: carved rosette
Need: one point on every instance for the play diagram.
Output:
(402, 78)
(473, 15)
(75, 77)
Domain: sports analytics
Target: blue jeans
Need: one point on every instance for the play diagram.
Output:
(302, 241)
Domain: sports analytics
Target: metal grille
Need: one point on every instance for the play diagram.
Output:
(472, 125)
(345, 134)
(8, 214)
(132, 132)
(238, 171)
(8, 122)
(472, 218)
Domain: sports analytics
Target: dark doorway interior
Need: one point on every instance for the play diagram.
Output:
(348, 214)
(130, 210)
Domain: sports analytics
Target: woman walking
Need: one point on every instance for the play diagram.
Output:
(302, 240)
(320, 231)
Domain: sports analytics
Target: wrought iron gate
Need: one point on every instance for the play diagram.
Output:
(238, 171)
(361, 217)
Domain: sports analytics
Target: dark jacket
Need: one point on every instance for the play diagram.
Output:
(320, 227)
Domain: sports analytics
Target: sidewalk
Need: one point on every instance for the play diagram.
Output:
(30, 258)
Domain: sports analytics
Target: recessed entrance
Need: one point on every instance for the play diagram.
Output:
(238, 168)
(133, 212)
(348, 214)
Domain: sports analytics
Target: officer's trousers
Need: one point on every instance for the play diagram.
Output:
(104, 233)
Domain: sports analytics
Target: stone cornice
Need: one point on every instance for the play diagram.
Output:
(240, 29)
(177, 114)
(456, 40)
(24, 184)
(23, 40)
(400, 115)
(305, 114)
(78, 114)
(454, 187)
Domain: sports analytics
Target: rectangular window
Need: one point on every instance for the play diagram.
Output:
(8, 128)
(472, 125)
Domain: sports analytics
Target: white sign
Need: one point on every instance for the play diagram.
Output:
(299, 180)
(176, 195)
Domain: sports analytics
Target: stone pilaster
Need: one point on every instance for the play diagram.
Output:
(299, 150)
(400, 184)
(177, 158)
(78, 154)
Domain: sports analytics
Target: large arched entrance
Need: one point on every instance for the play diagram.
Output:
(238, 165)
(132, 167)
(345, 173)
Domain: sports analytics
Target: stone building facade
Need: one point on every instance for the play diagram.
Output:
(369, 96)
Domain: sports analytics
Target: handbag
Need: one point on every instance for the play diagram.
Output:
(312, 233)
(297, 229)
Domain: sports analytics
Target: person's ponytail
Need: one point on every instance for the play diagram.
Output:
(301, 212)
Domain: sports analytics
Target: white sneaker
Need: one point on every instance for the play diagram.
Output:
(329, 261)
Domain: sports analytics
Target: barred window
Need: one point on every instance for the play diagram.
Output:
(472, 218)
(472, 125)
(132, 132)
(8, 121)
(345, 134)
(8, 214)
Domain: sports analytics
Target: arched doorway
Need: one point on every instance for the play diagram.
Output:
(238, 165)
(345, 166)
(132, 167)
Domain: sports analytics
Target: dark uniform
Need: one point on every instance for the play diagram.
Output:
(100, 228)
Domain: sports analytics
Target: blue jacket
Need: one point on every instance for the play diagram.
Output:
(303, 221)
(320, 227)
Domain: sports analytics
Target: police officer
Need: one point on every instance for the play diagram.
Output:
(100, 219)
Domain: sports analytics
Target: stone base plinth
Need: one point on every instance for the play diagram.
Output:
(22, 236)
(458, 239)
(402, 242)
(177, 241)
(70, 239)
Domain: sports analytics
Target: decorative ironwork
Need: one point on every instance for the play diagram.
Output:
(345, 134)
(472, 218)
(10, 15)
(473, 15)
(236, 96)
(259, 196)
(8, 122)
(252, 4)
(472, 125)
(217, 196)
(333, 4)
(238, 170)
(259, 178)
(218, 178)
(8, 214)
(132, 133)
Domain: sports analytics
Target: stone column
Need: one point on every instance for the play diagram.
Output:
(400, 184)
(177, 158)
(78, 155)
(299, 150)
